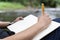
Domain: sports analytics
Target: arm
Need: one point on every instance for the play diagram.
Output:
(5, 24)
(28, 34)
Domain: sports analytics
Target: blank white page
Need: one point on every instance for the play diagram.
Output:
(23, 24)
(28, 22)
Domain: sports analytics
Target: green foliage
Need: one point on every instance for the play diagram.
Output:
(49, 3)
(34, 3)
(25, 2)
(9, 5)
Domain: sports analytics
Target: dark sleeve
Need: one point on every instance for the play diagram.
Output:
(3, 34)
(57, 20)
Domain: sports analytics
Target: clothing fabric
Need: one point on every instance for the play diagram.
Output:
(5, 33)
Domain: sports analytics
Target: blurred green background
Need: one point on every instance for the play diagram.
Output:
(20, 4)
(8, 7)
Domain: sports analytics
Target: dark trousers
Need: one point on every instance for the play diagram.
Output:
(5, 33)
(55, 35)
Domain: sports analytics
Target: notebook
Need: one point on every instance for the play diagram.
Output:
(28, 22)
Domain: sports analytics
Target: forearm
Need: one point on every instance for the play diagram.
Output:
(43, 23)
(4, 24)
(27, 34)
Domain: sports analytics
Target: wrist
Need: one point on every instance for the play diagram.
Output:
(40, 24)
(10, 23)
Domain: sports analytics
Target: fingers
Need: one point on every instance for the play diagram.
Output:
(47, 16)
(20, 18)
(17, 19)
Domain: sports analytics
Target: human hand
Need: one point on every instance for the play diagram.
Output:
(44, 20)
(18, 18)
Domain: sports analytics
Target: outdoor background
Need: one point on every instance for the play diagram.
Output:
(10, 9)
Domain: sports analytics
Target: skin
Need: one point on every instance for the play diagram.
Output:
(5, 24)
(28, 34)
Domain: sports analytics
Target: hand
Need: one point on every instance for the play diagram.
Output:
(44, 20)
(18, 18)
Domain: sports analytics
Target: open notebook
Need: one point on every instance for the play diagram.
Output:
(28, 22)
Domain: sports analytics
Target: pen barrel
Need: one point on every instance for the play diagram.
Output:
(42, 9)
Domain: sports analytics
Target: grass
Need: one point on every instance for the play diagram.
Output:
(10, 5)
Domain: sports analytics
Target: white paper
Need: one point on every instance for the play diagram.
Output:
(28, 22)
(23, 24)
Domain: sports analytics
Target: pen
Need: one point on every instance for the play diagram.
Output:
(42, 8)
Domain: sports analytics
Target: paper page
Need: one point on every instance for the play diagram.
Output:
(28, 22)
(23, 24)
